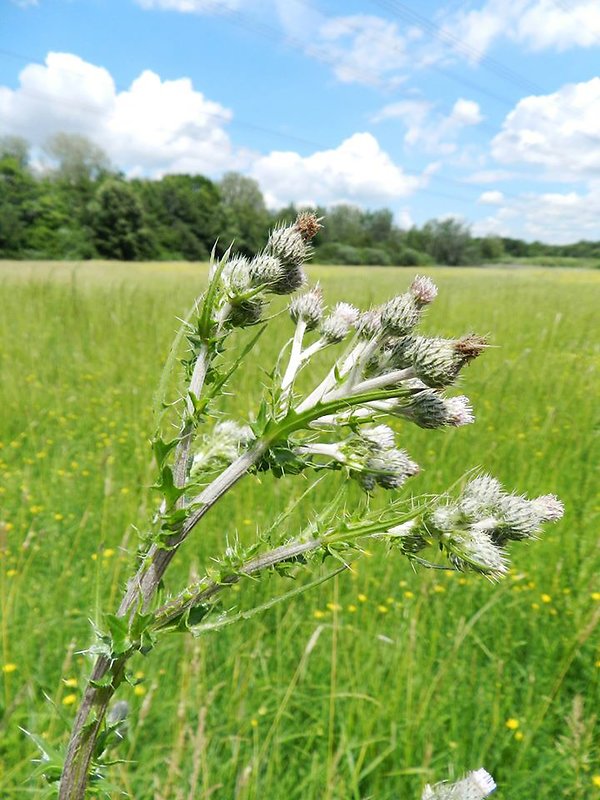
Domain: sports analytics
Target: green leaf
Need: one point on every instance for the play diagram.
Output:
(167, 487)
(102, 683)
(162, 449)
(119, 634)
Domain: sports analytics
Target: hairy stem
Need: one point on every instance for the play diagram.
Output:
(182, 451)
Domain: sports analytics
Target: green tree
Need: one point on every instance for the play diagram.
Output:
(117, 220)
(17, 193)
(185, 213)
(247, 215)
(448, 241)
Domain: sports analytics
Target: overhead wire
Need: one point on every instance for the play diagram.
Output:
(270, 32)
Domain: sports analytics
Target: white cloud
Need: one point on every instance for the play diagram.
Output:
(536, 24)
(558, 132)
(492, 198)
(152, 127)
(361, 49)
(558, 218)
(428, 130)
(190, 6)
(358, 171)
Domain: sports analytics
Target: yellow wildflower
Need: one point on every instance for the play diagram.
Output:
(69, 699)
(512, 724)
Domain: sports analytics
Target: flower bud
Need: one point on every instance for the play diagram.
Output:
(400, 315)
(236, 276)
(476, 785)
(391, 468)
(267, 271)
(423, 290)
(308, 225)
(308, 307)
(548, 507)
(379, 437)
(246, 312)
(369, 323)
(287, 244)
(223, 444)
(437, 362)
(337, 325)
(429, 409)
(475, 549)
(480, 496)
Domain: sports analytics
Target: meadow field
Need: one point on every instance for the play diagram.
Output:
(378, 681)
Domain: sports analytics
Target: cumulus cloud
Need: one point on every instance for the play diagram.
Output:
(536, 24)
(558, 132)
(492, 198)
(427, 129)
(555, 217)
(152, 127)
(160, 126)
(362, 49)
(358, 171)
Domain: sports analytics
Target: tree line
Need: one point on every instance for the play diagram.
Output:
(77, 206)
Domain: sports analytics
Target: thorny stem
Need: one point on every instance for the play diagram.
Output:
(380, 382)
(182, 450)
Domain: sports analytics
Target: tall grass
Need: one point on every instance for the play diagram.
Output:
(379, 681)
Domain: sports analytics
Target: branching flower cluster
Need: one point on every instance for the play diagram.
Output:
(381, 369)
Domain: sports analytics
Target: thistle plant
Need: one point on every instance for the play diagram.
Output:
(378, 368)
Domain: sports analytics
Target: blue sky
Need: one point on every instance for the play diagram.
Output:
(488, 110)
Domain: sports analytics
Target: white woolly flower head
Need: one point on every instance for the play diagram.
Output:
(308, 307)
(236, 276)
(369, 323)
(379, 437)
(338, 324)
(427, 408)
(400, 315)
(548, 507)
(223, 444)
(476, 785)
(391, 468)
(423, 289)
(268, 271)
(459, 411)
(438, 361)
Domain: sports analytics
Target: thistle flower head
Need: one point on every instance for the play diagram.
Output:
(268, 271)
(427, 408)
(476, 785)
(391, 468)
(236, 276)
(308, 307)
(548, 507)
(223, 444)
(474, 529)
(480, 496)
(437, 362)
(246, 312)
(423, 290)
(369, 323)
(338, 324)
(379, 437)
(473, 548)
(308, 225)
(287, 244)
(400, 315)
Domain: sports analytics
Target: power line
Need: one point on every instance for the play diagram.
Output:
(401, 10)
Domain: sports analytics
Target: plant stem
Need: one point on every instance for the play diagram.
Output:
(182, 451)
(87, 725)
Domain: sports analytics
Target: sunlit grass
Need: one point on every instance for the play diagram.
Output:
(377, 682)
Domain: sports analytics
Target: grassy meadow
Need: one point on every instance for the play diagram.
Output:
(378, 681)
